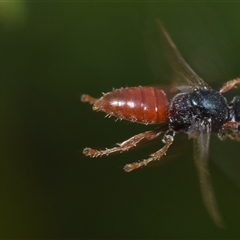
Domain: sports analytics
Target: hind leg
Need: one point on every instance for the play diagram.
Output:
(124, 146)
(88, 98)
(168, 140)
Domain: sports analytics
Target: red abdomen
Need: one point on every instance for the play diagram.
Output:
(147, 105)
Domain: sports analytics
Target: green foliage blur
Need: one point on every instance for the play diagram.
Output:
(50, 54)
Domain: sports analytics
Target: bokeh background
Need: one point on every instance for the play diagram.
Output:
(51, 53)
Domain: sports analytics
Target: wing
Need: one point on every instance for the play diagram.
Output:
(231, 167)
(183, 71)
(201, 146)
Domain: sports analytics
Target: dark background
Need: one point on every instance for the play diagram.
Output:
(51, 53)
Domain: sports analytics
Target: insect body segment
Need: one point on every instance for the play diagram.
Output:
(146, 105)
(204, 105)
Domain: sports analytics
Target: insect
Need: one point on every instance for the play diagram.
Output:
(195, 109)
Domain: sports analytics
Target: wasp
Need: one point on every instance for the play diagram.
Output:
(195, 109)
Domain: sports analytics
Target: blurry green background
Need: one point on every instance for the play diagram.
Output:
(51, 53)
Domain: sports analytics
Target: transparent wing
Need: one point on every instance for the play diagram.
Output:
(184, 73)
(201, 146)
(231, 167)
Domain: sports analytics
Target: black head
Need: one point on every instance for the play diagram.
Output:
(235, 109)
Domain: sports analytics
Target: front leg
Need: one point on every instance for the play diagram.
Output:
(230, 130)
(233, 126)
(229, 85)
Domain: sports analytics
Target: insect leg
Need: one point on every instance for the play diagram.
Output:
(231, 130)
(88, 98)
(231, 125)
(234, 136)
(168, 140)
(124, 146)
(229, 85)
